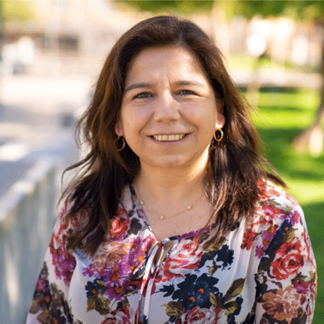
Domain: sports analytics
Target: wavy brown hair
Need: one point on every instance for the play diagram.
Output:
(235, 164)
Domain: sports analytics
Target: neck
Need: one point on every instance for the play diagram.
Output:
(170, 188)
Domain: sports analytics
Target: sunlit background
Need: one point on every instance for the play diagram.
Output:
(51, 54)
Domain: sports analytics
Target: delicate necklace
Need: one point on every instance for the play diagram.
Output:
(156, 213)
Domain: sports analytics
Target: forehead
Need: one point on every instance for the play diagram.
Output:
(174, 59)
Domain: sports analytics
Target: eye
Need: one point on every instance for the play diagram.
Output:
(186, 92)
(142, 95)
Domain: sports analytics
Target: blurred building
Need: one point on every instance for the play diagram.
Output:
(88, 28)
(61, 29)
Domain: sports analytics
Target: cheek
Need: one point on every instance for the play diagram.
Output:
(135, 120)
(207, 117)
(132, 131)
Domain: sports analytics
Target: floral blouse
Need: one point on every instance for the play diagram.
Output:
(262, 271)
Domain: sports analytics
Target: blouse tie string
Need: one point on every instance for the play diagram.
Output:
(150, 268)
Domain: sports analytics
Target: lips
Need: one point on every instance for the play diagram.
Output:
(169, 138)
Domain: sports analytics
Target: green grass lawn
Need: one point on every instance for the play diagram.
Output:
(281, 116)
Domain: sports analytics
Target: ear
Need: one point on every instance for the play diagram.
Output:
(119, 128)
(220, 121)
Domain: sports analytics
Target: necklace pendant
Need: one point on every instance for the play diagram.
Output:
(161, 217)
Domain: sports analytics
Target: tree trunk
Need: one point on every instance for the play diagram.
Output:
(252, 91)
(312, 138)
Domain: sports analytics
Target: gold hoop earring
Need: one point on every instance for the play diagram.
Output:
(218, 136)
(124, 143)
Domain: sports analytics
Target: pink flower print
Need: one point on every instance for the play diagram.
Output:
(282, 305)
(89, 271)
(301, 286)
(64, 263)
(268, 235)
(293, 217)
(137, 252)
(116, 280)
(118, 317)
(248, 238)
(199, 315)
(271, 211)
(41, 285)
(259, 251)
(119, 225)
(189, 259)
(110, 254)
(289, 261)
(267, 190)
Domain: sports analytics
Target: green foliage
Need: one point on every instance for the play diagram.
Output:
(250, 9)
(306, 10)
(172, 6)
(303, 9)
(17, 10)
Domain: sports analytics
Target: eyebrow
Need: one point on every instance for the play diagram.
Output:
(138, 85)
(186, 82)
(150, 85)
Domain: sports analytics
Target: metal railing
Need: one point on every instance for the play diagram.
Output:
(27, 216)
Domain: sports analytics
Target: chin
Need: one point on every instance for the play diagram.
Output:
(172, 163)
(164, 163)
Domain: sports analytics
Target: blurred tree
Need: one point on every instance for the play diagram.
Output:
(1, 33)
(16, 10)
(1, 27)
(307, 10)
(176, 6)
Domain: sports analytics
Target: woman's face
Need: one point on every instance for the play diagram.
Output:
(168, 112)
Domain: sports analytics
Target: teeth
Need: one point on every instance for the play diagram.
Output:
(169, 138)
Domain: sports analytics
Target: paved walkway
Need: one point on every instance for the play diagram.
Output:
(36, 113)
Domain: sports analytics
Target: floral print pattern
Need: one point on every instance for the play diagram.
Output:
(262, 271)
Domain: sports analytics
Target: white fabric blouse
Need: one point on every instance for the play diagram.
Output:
(262, 271)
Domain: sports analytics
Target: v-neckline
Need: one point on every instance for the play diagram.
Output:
(139, 210)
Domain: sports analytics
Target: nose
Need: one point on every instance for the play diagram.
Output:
(166, 108)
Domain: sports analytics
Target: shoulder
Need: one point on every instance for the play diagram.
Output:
(277, 215)
(286, 273)
(276, 205)
(278, 231)
(69, 222)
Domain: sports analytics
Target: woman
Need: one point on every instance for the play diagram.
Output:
(173, 218)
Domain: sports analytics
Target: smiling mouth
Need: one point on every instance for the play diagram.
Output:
(169, 138)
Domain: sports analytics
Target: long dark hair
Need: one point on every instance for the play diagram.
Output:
(235, 164)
